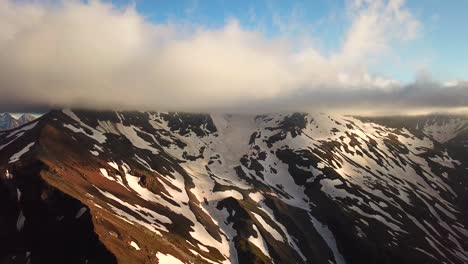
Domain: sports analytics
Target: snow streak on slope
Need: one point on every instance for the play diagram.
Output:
(18, 155)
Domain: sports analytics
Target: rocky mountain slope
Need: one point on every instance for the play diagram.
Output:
(441, 128)
(138, 187)
(7, 121)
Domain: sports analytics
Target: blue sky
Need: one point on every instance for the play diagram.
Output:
(440, 49)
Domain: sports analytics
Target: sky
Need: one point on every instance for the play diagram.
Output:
(265, 56)
(438, 49)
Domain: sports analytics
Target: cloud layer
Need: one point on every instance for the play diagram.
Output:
(94, 55)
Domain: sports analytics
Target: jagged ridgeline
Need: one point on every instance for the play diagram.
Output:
(142, 187)
(8, 121)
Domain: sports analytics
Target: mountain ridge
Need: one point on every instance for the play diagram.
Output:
(8, 121)
(232, 188)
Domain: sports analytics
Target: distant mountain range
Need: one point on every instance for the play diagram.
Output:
(8, 121)
(171, 188)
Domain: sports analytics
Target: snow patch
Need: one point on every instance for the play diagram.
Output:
(80, 212)
(327, 235)
(96, 135)
(166, 258)
(22, 129)
(134, 245)
(20, 221)
(268, 228)
(153, 221)
(113, 165)
(259, 242)
(18, 155)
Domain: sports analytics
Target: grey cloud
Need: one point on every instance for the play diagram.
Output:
(412, 98)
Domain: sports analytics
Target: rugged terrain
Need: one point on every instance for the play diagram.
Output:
(140, 187)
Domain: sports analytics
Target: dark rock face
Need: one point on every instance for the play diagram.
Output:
(41, 224)
(141, 187)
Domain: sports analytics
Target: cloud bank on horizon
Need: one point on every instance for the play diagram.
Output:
(92, 54)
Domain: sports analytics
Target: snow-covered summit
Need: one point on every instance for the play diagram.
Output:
(9, 121)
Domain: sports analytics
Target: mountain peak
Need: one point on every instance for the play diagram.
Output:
(8, 121)
(4, 116)
(26, 118)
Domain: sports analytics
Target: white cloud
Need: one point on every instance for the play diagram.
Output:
(79, 54)
(376, 26)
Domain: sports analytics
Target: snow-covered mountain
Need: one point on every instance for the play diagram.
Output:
(25, 118)
(140, 187)
(8, 121)
(441, 128)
